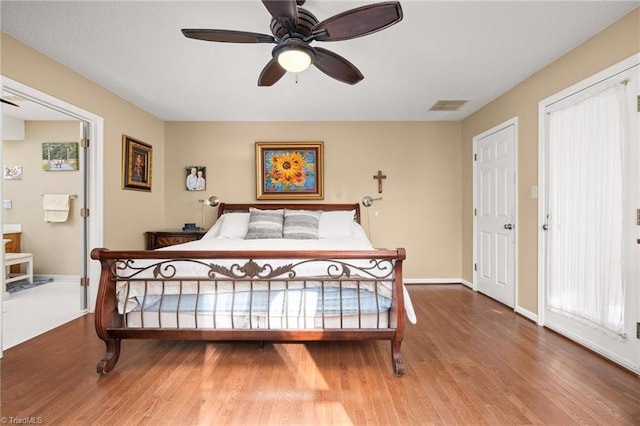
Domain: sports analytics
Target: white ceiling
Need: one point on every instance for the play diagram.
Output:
(441, 50)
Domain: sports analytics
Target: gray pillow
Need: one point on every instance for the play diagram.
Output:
(301, 224)
(265, 224)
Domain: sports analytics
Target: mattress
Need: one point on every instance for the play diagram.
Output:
(175, 320)
(298, 308)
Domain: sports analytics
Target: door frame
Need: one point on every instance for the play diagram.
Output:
(511, 122)
(586, 83)
(93, 188)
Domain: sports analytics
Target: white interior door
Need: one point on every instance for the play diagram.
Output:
(495, 154)
(616, 268)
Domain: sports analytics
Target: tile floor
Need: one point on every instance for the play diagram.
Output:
(31, 312)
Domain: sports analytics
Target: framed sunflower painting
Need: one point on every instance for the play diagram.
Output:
(289, 170)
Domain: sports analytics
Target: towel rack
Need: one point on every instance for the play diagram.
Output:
(70, 195)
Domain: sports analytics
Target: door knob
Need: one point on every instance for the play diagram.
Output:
(508, 226)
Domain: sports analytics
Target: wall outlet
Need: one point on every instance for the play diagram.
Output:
(7, 204)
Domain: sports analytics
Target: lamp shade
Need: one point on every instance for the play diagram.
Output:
(212, 201)
(294, 55)
(367, 201)
(294, 60)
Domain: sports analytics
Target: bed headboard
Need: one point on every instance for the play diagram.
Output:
(227, 207)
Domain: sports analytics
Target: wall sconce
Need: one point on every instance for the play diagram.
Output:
(367, 201)
(212, 201)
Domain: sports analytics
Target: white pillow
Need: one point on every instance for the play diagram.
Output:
(234, 225)
(213, 231)
(336, 224)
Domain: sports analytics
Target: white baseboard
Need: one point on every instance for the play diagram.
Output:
(527, 314)
(72, 278)
(467, 283)
(519, 310)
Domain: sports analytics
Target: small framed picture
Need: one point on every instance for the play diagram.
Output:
(136, 164)
(60, 156)
(12, 172)
(196, 178)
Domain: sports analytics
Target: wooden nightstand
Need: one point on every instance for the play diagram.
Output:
(12, 246)
(157, 239)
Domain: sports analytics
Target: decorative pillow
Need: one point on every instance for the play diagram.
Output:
(234, 225)
(265, 224)
(336, 224)
(301, 224)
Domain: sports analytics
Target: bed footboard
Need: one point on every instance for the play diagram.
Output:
(250, 295)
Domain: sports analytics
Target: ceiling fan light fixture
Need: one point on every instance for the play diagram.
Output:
(294, 55)
(294, 60)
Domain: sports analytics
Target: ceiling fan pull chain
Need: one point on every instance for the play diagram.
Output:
(296, 78)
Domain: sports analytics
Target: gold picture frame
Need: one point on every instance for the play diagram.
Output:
(136, 164)
(289, 170)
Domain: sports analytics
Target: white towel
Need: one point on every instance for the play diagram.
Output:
(56, 207)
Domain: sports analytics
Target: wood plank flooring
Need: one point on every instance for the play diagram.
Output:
(469, 360)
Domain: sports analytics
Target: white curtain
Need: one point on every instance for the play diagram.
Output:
(587, 164)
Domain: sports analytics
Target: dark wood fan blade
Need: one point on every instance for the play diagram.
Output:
(359, 22)
(280, 9)
(228, 36)
(4, 101)
(335, 66)
(271, 73)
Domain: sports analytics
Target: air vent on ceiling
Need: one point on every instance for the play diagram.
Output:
(447, 105)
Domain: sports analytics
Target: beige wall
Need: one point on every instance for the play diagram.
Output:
(427, 206)
(56, 247)
(618, 42)
(417, 158)
(420, 210)
(126, 213)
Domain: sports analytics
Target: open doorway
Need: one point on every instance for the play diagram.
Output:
(50, 159)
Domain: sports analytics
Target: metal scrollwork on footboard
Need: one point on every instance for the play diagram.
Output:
(377, 269)
(129, 269)
(251, 269)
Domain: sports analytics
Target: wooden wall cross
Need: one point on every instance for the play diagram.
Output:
(379, 177)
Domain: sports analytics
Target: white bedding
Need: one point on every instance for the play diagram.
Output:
(212, 241)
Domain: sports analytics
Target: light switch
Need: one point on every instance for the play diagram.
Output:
(534, 191)
(7, 204)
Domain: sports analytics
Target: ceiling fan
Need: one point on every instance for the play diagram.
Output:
(294, 28)
(4, 101)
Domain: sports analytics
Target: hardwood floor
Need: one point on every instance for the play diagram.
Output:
(469, 360)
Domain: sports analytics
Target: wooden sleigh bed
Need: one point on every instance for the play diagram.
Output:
(225, 287)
